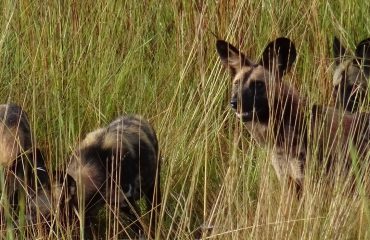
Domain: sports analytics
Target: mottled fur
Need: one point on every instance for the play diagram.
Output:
(278, 117)
(351, 75)
(117, 165)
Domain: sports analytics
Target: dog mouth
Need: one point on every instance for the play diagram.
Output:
(245, 116)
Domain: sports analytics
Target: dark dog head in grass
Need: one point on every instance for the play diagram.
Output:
(255, 84)
(351, 75)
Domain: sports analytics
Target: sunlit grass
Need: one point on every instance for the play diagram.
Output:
(74, 66)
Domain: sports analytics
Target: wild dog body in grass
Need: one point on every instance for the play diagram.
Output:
(22, 165)
(351, 75)
(113, 166)
(278, 117)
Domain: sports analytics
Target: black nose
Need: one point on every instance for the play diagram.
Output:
(233, 104)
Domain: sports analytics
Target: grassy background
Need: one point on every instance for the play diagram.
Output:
(76, 65)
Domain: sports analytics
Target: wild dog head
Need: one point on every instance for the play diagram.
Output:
(351, 75)
(118, 165)
(254, 82)
(129, 143)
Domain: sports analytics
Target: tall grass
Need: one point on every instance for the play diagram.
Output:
(76, 65)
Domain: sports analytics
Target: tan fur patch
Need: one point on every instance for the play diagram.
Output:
(92, 138)
(10, 145)
(13, 140)
(354, 75)
(337, 77)
(261, 74)
(85, 175)
(240, 74)
(114, 140)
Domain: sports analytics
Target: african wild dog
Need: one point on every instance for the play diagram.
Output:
(22, 164)
(116, 165)
(351, 75)
(277, 116)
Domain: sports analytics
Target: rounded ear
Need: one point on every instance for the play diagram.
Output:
(64, 185)
(338, 51)
(363, 55)
(71, 188)
(231, 57)
(363, 49)
(279, 54)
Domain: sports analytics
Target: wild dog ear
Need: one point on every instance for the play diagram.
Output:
(71, 185)
(363, 54)
(231, 57)
(363, 49)
(64, 186)
(338, 51)
(279, 54)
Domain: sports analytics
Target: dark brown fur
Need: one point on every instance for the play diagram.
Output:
(277, 116)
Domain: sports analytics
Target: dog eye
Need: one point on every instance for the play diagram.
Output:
(260, 84)
(257, 85)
